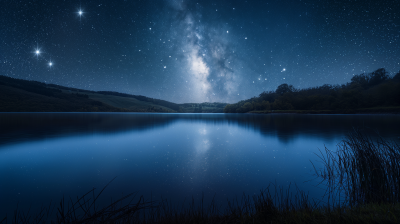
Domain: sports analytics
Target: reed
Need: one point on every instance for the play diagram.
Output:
(365, 169)
(84, 209)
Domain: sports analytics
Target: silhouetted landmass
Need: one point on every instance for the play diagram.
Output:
(19, 95)
(164, 103)
(203, 107)
(375, 92)
(178, 108)
(30, 96)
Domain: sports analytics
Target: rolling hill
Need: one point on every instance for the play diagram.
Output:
(17, 95)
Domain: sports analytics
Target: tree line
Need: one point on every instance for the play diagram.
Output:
(367, 90)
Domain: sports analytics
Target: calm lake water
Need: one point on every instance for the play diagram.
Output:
(45, 156)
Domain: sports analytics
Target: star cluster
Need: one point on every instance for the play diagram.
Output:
(197, 51)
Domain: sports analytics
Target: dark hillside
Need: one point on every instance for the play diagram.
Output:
(20, 100)
(18, 95)
(164, 103)
(203, 107)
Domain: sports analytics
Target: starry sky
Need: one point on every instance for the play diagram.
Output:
(197, 51)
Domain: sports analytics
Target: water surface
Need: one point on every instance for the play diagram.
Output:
(45, 156)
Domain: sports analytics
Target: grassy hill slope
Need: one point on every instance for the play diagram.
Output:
(128, 103)
(18, 95)
(14, 99)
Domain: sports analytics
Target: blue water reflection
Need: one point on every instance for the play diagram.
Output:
(45, 156)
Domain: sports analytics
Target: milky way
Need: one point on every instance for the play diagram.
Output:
(208, 55)
(197, 51)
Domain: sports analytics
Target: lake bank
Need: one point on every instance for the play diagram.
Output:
(263, 208)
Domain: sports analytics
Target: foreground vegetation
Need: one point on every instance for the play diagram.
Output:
(366, 93)
(362, 179)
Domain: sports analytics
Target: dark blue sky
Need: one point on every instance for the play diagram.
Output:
(197, 51)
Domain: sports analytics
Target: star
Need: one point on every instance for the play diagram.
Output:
(37, 52)
(80, 13)
(50, 64)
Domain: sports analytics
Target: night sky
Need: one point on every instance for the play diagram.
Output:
(197, 51)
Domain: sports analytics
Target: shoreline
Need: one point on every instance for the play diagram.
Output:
(265, 207)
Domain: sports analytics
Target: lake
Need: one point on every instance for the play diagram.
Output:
(45, 156)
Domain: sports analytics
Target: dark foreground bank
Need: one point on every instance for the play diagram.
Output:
(362, 178)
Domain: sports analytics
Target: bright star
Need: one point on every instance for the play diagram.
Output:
(80, 13)
(50, 63)
(37, 52)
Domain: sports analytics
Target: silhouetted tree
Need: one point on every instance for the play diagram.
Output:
(361, 79)
(247, 106)
(378, 76)
(266, 105)
(284, 88)
(396, 78)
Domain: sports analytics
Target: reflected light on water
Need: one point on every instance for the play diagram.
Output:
(46, 156)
